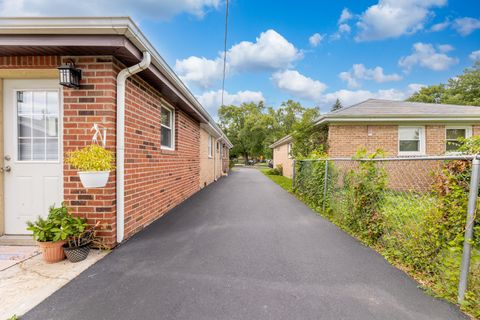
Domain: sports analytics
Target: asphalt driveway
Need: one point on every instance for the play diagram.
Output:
(242, 248)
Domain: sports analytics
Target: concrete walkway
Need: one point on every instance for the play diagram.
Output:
(242, 248)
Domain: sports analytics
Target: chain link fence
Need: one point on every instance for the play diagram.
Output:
(412, 210)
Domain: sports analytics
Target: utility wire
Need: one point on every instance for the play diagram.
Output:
(225, 51)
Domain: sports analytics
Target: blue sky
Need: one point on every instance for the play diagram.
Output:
(310, 51)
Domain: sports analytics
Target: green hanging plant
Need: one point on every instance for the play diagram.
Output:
(91, 158)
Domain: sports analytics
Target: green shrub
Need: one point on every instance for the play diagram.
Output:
(50, 229)
(91, 158)
(365, 187)
(278, 171)
(59, 225)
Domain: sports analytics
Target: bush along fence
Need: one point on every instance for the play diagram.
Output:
(419, 212)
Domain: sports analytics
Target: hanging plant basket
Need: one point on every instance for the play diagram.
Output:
(94, 179)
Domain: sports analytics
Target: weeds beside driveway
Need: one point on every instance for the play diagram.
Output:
(243, 248)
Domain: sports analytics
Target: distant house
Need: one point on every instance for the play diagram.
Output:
(166, 144)
(282, 155)
(214, 154)
(399, 128)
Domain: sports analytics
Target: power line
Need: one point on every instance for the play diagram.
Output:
(225, 51)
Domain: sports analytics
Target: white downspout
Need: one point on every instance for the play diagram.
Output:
(121, 79)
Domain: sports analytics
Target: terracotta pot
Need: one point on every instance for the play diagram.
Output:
(52, 251)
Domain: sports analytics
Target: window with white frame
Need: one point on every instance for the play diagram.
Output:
(453, 135)
(411, 140)
(210, 144)
(167, 134)
(289, 150)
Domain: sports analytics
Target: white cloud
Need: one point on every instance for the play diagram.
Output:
(212, 100)
(426, 56)
(344, 28)
(393, 18)
(359, 72)
(475, 55)
(270, 51)
(315, 39)
(440, 26)
(299, 85)
(306, 88)
(201, 71)
(465, 26)
(349, 97)
(155, 10)
(445, 48)
(345, 16)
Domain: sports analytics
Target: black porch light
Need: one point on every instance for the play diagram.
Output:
(70, 76)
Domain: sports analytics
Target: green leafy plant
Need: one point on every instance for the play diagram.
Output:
(91, 158)
(365, 188)
(61, 225)
(278, 171)
(51, 228)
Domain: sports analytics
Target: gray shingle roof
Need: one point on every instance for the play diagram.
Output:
(387, 109)
(279, 142)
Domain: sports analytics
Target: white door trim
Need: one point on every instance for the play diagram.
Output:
(10, 131)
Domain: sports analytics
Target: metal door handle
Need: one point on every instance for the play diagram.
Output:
(6, 169)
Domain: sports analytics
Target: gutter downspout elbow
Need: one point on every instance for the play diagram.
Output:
(120, 146)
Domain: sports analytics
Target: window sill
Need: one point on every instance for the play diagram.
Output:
(168, 151)
(411, 154)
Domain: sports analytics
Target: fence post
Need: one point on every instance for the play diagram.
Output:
(325, 184)
(467, 247)
(294, 174)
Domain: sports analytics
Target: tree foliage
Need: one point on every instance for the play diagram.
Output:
(252, 128)
(461, 90)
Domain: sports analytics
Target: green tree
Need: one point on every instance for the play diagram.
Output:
(308, 137)
(246, 126)
(461, 90)
(337, 106)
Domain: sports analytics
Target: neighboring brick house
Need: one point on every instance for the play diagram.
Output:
(214, 155)
(282, 155)
(399, 128)
(162, 124)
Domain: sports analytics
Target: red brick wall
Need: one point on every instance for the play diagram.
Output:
(156, 180)
(32, 62)
(345, 140)
(93, 103)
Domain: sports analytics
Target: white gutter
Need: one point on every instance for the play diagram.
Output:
(121, 79)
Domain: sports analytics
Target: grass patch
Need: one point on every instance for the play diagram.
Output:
(284, 182)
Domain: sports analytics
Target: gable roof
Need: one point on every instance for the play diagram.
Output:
(284, 140)
(388, 110)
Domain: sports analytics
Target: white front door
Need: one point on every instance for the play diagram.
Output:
(33, 161)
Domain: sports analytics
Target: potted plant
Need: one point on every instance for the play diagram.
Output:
(77, 247)
(50, 235)
(94, 164)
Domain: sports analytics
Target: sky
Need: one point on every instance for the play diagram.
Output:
(310, 51)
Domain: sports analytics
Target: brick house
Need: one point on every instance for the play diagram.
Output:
(399, 128)
(155, 126)
(282, 155)
(214, 155)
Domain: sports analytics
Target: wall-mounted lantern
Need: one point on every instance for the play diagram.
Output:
(70, 76)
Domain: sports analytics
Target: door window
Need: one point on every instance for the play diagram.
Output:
(37, 125)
